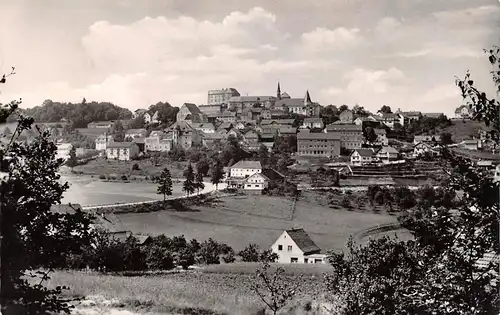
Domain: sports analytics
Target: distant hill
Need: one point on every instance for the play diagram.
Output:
(465, 129)
(78, 114)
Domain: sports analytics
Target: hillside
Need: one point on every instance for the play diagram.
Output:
(464, 129)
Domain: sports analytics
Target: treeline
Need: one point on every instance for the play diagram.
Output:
(77, 114)
(109, 254)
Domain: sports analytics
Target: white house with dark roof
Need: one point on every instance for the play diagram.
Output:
(296, 246)
(312, 122)
(123, 151)
(363, 156)
(426, 139)
(381, 137)
(463, 112)
(152, 118)
(256, 183)
(136, 133)
(387, 154)
(190, 113)
(101, 142)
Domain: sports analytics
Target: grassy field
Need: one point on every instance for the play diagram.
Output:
(102, 166)
(241, 220)
(461, 130)
(477, 154)
(180, 293)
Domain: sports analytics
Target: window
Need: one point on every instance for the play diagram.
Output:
(294, 260)
(280, 247)
(289, 248)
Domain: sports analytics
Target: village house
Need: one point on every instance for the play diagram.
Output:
(410, 116)
(288, 122)
(295, 246)
(426, 139)
(63, 150)
(389, 119)
(463, 112)
(433, 115)
(387, 154)
(346, 117)
(251, 136)
(421, 148)
(209, 110)
(158, 142)
(227, 116)
(138, 113)
(141, 143)
(287, 130)
(211, 140)
(312, 122)
(101, 142)
(277, 113)
(256, 183)
(351, 135)
(318, 144)
(265, 113)
(203, 127)
(184, 135)
(225, 126)
(238, 103)
(365, 120)
(123, 151)
(239, 172)
(221, 96)
(363, 156)
(382, 139)
(190, 113)
(101, 124)
(152, 118)
(136, 133)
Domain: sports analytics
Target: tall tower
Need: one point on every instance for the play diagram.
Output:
(278, 92)
(307, 98)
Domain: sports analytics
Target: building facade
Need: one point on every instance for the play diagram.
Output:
(123, 151)
(245, 169)
(101, 124)
(222, 96)
(101, 143)
(256, 182)
(351, 135)
(363, 156)
(318, 144)
(296, 246)
(190, 113)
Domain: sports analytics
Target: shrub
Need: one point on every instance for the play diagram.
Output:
(268, 256)
(135, 167)
(346, 202)
(123, 177)
(209, 252)
(250, 253)
(112, 177)
(158, 258)
(102, 177)
(229, 257)
(185, 258)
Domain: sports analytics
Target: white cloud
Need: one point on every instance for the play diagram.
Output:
(337, 39)
(442, 93)
(378, 81)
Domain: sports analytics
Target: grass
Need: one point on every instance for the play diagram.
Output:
(246, 268)
(461, 130)
(102, 166)
(203, 293)
(477, 154)
(240, 220)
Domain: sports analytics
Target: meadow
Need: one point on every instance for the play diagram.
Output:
(240, 220)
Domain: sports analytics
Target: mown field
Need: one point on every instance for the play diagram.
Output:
(102, 166)
(240, 220)
(182, 293)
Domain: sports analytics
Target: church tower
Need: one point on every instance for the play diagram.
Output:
(278, 92)
(307, 98)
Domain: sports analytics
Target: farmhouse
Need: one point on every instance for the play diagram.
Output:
(312, 122)
(296, 246)
(389, 119)
(462, 112)
(136, 133)
(470, 144)
(63, 150)
(245, 169)
(426, 139)
(387, 154)
(256, 183)
(123, 151)
(422, 148)
(101, 143)
(363, 156)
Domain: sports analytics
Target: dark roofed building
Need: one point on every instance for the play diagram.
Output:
(191, 113)
(318, 144)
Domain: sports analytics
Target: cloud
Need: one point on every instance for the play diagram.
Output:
(325, 39)
(442, 93)
(376, 81)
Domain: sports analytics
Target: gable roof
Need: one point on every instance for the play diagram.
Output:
(120, 145)
(364, 152)
(66, 208)
(459, 109)
(303, 241)
(256, 175)
(344, 127)
(346, 112)
(306, 135)
(192, 108)
(136, 131)
(312, 120)
(389, 149)
(247, 165)
(288, 121)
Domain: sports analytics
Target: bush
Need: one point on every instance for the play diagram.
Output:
(158, 258)
(346, 202)
(123, 177)
(229, 257)
(135, 167)
(268, 256)
(250, 253)
(185, 258)
(209, 252)
(102, 177)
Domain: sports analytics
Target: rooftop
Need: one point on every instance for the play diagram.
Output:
(305, 135)
(120, 145)
(365, 152)
(344, 127)
(248, 165)
(303, 241)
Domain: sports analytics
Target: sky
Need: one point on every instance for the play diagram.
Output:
(401, 53)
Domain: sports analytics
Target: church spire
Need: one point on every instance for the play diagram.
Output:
(278, 92)
(307, 98)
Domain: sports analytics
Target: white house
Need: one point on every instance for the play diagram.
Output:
(426, 139)
(138, 112)
(136, 133)
(204, 127)
(152, 118)
(256, 183)
(245, 169)
(422, 147)
(381, 137)
(123, 151)
(463, 112)
(63, 150)
(387, 154)
(312, 122)
(295, 246)
(101, 143)
(363, 156)
(470, 144)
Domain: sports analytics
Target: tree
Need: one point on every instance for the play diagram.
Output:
(217, 173)
(202, 166)
(164, 182)
(263, 155)
(343, 108)
(369, 134)
(446, 138)
(30, 185)
(250, 253)
(385, 109)
(118, 131)
(189, 185)
(359, 111)
(199, 182)
(275, 290)
(72, 160)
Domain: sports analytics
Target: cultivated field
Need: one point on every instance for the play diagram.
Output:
(102, 166)
(241, 220)
(180, 293)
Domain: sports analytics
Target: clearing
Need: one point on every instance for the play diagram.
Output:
(240, 220)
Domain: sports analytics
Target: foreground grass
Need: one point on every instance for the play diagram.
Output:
(201, 293)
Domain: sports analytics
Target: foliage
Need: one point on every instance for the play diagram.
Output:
(135, 167)
(346, 202)
(202, 166)
(79, 114)
(250, 253)
(166, 112)
(268, 256)
(189, 185)
(275, 290)
(263, 155)
(446, 138)
(118, 131)
(158, 258)
(33, 236)
(329, 114)
(385, 109)
(199, 182)
(72, 160)
(217, 173)
(210, 252)
(164, 182)
(369, 134)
